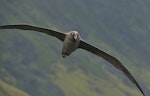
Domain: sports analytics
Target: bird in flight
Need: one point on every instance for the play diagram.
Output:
(72, 41)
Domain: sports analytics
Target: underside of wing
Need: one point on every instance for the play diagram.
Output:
(110, 59)
(59, 35)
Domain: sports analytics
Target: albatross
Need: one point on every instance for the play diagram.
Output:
(72, 41)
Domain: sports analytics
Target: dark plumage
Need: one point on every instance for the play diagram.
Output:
(71, 42)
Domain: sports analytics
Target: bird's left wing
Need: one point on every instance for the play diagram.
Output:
(110, 59)
(59, 35)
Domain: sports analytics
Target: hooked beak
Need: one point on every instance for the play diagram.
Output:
(75, 36)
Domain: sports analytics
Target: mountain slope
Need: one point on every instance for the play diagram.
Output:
(10, 90)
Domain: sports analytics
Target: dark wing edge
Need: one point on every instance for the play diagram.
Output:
(110, 59)
(59, 35)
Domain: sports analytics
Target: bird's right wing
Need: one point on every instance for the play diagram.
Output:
(59, 35)
(110, 59)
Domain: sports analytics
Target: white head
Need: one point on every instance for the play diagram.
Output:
(74, 34)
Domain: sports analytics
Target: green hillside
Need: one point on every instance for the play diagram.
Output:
(8, 90)
(31, 63)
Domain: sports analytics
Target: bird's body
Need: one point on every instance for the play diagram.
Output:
(72, 41)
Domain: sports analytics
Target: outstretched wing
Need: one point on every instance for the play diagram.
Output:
(110, 59)
(59, 35)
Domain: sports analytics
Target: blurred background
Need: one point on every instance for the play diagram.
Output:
(31, 63)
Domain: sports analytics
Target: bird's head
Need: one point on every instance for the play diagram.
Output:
(74, 35)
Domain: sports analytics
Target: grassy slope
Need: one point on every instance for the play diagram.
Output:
(31, 63)
(8, 90)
